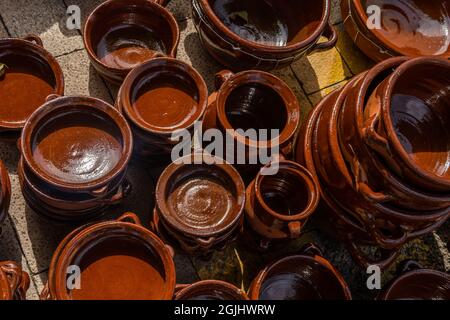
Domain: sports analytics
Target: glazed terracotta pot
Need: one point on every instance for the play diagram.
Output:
(28, 74)
(307, 276)
(5, 192)
(278, 206)
(416, 283)
(253, 100)
(119, 260)
(406, 123)
(408, 28)
(201, 202)
(158, 98)
(210, 290)
(262, 35)
(121, 34)
(14, 282)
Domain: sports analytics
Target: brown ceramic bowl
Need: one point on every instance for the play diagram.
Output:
(121, 34)
(30, 75)
(77, 144)
(118, 260)
(5, 192)
(307, 276)
(158, 98)
(264, 35)
(14, 282)
(211, 290)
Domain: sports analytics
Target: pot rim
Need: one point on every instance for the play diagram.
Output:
(204, 4)
(390, 130)
(290, 105)
(306, 176)
(218, 285)
(163, 12)
(262, 275)
(71, 248)
(61, 104)
(29, 47)
(173, 168)
(140, 72)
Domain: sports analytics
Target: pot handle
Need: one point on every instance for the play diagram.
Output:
(221, 77)
(121, 193)
(162, 2)
(374, 140)
(130, 217)
(45, 293)
(311, 249)
(407, 266)
(35, 39)
(52, 96)
(205, 244)
(14, 274)
(295, 228)
(23, 286)
(362, 259)
(381, 240)
(331, 34)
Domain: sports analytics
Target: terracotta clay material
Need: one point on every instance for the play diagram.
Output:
(416, 283)
(119, 260)
(278, 206)
(121, 34)
(210, 290)
(158, 98)
(263, 35)
(307, 276)
(14, 282)
(29, 75)
(5, 192)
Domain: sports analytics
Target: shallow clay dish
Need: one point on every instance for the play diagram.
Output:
(210, 290)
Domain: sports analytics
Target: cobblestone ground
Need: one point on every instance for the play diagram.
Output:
(31, 241)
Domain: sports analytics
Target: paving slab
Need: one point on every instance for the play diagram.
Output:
(336, 15)
(317, 96)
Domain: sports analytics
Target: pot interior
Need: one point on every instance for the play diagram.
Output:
(79, 145)
(301, 278)
(125, 34)
(27, 80)
(270, 22)
(414, 27)
(165, 98)
(119, 266)
(420, 286)
(420, 115)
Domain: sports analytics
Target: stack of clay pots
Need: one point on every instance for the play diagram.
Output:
(14, 282)
(379, 147)
(5, 193)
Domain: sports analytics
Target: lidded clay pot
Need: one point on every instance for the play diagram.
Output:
(119, 260)
(306, 276)
(263, 35)
(158, 98)
(210, 290)
(14, 282)
(121, 34)
(30, 73)
(5, 192)
(200, 204)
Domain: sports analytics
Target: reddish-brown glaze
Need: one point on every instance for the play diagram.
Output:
(14, 282)
(211, 290)
(5, 192)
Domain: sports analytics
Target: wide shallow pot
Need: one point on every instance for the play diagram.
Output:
(28, 74)
(158, 98)
(278, 205)
(118, 260)
(14, 282)
(5, 192)
(121, 34)
(407, 27)
(307, 276)
(200, 200)
(417, 283)
(210, 290)
(262, 34)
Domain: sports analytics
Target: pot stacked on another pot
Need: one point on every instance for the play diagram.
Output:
(5, 193)
(14, 282)
(379, 147)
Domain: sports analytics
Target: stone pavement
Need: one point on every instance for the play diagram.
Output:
(29, 240)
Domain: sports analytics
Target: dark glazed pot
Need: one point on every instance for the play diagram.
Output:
(119, 260)
(211, 290)
(307, 276)
(121, 34)
(5, 192)
(262, 35)
(14, 282)
(158, 98)
(200, 204)
(416, 283)
(30, 74)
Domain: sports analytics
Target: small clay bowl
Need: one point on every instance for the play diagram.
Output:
(416, 283)
(263, 35)
(121, 34)
(211, 290)
(307, 276)
(278, 206)
(5, 192)
(30, 74)
(119, 260)
(159, 97)
(14, 282)
(78, 145)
